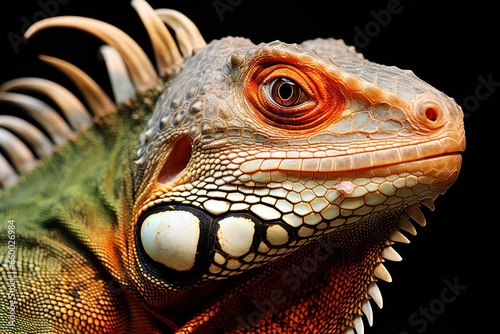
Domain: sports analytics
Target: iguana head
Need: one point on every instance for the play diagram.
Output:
(275, 174)
(254, 151)
(288, 144)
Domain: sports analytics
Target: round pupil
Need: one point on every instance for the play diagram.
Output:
(285, 90)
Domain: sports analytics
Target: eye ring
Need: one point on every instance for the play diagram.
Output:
(292, 96)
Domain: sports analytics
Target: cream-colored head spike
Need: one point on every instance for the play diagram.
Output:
(141, 70)
(98, 100)
(50, 120)
(75, 112)
(129, 68)
(122, 85)
(8, 176)
(164, 46)
(188, 35)
(36, 139)
(20, 155)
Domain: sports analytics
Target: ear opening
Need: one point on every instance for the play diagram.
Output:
(177, 160)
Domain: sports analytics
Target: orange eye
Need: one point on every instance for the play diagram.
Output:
(293, 96)
(286, 92)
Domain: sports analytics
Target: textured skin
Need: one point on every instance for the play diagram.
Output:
(327, 190)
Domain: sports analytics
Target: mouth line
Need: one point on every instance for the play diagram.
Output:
(388, 158)
(422, 159)
(446, 163)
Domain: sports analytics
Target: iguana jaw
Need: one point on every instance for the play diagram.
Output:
(323, 204)
(347, 264)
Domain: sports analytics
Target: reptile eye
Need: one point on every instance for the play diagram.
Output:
(286, 92)
(292, 96)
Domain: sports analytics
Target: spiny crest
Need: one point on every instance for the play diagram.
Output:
(130, 71)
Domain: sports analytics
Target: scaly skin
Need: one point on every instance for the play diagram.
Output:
(277, 176)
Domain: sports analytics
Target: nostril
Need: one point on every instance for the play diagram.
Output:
(431, 113)
(177, 160)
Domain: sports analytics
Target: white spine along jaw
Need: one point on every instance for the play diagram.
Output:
(388, 253)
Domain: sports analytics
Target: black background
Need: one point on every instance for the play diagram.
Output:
(450, 45)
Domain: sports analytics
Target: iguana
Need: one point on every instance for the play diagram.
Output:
(234, 188)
